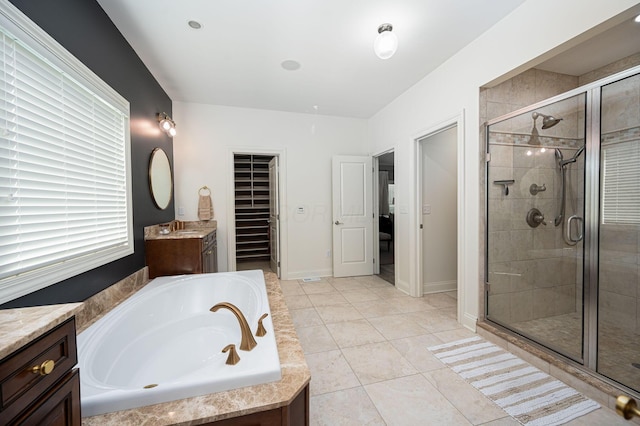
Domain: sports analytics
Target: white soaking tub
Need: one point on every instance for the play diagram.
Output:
(163, 343)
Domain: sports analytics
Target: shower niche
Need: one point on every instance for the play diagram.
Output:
(563, 226)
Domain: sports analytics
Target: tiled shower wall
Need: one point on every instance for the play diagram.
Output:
(531, 275)
(516, 296)
(532, 272)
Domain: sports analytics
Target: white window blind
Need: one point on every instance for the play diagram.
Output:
(64, 163)
(621, 182)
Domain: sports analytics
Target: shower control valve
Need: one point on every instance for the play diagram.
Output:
(535, 218)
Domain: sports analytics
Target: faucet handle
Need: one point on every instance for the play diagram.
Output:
(233, 357)
(261, 331)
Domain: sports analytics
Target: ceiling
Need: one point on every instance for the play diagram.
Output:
(619, 42)
(235, 58)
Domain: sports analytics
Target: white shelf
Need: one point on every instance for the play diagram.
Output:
(251, 177)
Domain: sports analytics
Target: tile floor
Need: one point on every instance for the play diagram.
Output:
(366, 345)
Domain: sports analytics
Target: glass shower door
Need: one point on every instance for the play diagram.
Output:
(619, 228)
(535, 211)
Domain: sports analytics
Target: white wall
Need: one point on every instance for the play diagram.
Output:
(439, 192)
(518, 42)
(202, 156)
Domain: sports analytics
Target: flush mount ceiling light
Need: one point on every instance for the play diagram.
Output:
(166, 124)
(386, 42)
(637, 19)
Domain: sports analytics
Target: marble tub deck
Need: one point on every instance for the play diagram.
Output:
(20, 326)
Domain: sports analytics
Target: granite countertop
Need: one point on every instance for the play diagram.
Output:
(193, 229)
(233, 403)
(20, 326)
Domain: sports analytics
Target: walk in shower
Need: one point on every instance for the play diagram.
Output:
(563, 225)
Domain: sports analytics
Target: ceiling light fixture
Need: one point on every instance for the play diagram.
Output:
(386, 42)
(195, 25)
(637, 19)
(166, 124)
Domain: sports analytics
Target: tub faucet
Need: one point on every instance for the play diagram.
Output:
(248, 342)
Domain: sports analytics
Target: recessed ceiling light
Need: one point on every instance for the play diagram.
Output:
(195, 25)
(637, 19)
(290, 65)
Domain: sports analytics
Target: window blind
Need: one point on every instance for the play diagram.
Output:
(621, 182)
(64, 159)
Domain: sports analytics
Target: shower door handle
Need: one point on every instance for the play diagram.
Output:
(568, 230)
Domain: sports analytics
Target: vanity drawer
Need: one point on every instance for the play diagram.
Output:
(209, 239)
(58, 406)
(19, 384)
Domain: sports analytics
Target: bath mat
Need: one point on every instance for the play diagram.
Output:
(521, 390)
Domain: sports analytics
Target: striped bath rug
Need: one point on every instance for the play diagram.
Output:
(523, 391)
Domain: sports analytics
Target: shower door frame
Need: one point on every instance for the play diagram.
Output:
(591, 219)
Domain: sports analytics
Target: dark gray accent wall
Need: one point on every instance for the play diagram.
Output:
(85, 30)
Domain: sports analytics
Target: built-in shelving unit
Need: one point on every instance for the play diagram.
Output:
(251, 174)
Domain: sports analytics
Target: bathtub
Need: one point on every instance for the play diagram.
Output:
(163, 343)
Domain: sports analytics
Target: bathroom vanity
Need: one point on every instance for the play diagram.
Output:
(38, 384)
(190, 250)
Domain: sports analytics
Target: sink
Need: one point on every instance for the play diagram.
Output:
(186, 231)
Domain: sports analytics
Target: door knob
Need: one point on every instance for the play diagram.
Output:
(337, 222)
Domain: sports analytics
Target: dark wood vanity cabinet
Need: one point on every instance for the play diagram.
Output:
(38, 384)
(176, 256)
(294, 414)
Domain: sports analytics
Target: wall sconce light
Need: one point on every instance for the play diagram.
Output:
(166, 124)
(386, 42)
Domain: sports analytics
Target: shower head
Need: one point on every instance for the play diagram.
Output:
(548, 121)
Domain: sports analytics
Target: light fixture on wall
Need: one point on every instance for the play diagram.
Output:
(167, 124)
(386, 42)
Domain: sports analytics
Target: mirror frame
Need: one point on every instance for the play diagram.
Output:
(160, 177)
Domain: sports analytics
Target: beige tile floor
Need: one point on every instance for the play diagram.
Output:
(366, 345)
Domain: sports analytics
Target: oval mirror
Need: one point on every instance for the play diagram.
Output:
(160, 181)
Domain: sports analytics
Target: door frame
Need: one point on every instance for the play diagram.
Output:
(282, 202)
(376, 210)
(417, 272)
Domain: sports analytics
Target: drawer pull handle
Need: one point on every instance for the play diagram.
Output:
(44, 368)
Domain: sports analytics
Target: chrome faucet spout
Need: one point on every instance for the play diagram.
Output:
(248, 342)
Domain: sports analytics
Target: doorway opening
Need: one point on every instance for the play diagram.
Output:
(386, 214)
(438, 211)
(256, 211)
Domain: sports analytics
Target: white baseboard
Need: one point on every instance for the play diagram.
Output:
(439, 287)
(306, 274)
(403, 286)
(469, 321)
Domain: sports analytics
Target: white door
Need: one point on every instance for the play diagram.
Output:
(274, 217)
(352, 216)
